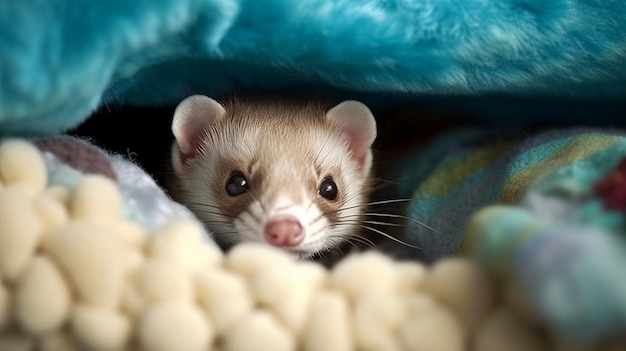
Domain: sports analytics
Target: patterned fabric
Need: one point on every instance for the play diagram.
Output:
(143, 200)
(546, 210)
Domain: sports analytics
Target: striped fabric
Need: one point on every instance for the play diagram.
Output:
(546, 210)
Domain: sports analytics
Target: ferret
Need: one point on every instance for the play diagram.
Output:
(290, 173)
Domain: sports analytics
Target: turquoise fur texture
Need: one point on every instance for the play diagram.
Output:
(60, 59)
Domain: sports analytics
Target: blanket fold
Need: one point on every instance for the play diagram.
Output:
(63, 58)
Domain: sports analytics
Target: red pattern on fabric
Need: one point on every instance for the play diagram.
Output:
(612, 188)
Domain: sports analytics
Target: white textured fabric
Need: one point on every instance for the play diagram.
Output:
(144, 201)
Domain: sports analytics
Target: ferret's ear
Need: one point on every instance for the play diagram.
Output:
(191, 117)
(359, 129)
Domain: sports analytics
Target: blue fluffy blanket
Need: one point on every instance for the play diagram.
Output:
(60, 59)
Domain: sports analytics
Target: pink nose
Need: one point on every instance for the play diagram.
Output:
(284, 230)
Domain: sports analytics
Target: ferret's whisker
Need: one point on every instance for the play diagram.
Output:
(349, 241)
(383, 202)
(337, 239)
(363, 240)
(334, 245)
(413, 220)
(363, 205)
(391, 237)
(383, 223)
(323, 214)
(380, 183)
(338, 248)
(364, 193)
(395, 181)
(357, 222)
(376, 214)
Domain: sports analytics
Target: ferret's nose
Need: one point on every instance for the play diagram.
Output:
(284, 230)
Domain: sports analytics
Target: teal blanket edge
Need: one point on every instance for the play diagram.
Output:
(61, 59)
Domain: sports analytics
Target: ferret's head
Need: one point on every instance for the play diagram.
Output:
(289, 174)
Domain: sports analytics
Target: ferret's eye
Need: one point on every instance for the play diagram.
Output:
(236, 184)
(328, 189)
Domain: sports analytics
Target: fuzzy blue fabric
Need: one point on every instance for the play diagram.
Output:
(60, 59)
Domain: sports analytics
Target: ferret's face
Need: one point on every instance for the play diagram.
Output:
(278, 175)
